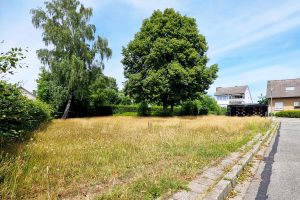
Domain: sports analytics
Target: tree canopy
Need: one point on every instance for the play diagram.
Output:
(75, 55)
(166, 62)
(10, 60)
(263, 100)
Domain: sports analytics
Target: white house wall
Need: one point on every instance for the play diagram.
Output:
(223, 103)
(248, 98)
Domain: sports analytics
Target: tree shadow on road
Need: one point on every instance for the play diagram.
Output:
(267, 171)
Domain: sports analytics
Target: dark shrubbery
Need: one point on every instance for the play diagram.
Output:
(143, 109)
(206, 105)
(120, 109)
(288, 113)
(193, 108)
(19, 115)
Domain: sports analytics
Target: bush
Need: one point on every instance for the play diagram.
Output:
(193, 108)
(144, 109)
(119, 109)
(18, 114)
(158, 111)
(288, 113)
(212, 106)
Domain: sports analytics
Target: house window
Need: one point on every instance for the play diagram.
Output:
(221, 98)
(278, 106)
(296, 104)
(290, 88)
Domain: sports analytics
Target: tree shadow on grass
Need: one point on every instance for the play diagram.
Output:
(12, 149)
(267, 171)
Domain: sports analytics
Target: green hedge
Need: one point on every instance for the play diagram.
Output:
(19, 115)
(193, 108)
(288, 113)
(120, 109)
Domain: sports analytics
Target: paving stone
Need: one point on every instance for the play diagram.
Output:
(233, 174)
(204, 181)
(256, 148)
(198, 187)
(246, 158)
(226, 162)
(185, 195)
(213, 174)
(220, 191)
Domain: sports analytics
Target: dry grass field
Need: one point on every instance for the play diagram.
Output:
(120, 157)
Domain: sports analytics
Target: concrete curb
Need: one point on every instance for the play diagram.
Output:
(216, 182)
(222, 189)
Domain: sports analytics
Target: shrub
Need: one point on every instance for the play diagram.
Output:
(119, 109)
(190, 108)
(288, 113)
(193, 108)
(18, 114)
(210, 104)
(144, 109)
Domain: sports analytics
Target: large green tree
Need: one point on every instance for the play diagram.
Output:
(166, 62)
(74, 52)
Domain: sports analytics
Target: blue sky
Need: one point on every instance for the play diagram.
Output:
(252, 41)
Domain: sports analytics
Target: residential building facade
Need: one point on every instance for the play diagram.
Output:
(236, 95)
(283, 95)
(27, 94)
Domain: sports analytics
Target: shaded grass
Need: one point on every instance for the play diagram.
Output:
(121, 157)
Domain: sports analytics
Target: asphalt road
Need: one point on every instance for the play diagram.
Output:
(278, 176)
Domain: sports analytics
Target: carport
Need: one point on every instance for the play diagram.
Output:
(247, 110)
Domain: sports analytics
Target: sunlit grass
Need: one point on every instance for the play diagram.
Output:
(121, 157)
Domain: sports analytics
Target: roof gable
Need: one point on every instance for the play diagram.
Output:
(231, 90)
(283, 88)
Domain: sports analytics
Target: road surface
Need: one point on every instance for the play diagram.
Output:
(278, 176)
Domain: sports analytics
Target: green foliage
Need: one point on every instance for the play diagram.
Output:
(211, 105)
(103, 91)
(193, 108)
(124, 99)
(18, 114)
(49, 92)
(263, 100)
(143, 109)
(166, 61)
(159, 111)
(75, 60)
(288, 113)
(119, 109)
(190, 108)
(10, 60)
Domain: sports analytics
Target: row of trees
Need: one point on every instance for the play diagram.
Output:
(165, 63)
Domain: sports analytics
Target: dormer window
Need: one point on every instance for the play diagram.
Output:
(289, 88)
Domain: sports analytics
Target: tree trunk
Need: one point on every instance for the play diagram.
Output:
(66, 112)
(165, 107)
(172, 108)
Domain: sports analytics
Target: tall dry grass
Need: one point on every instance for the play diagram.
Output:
(121, 157)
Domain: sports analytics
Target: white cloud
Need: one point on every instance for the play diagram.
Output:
(253, 37)
(253, 25)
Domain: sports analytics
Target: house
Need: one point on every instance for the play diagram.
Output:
(236, 95)
(283, 95)
(27, 94)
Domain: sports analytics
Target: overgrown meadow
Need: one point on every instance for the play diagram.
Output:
(120, 157)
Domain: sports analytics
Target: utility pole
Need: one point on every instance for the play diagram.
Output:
(271, 89)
